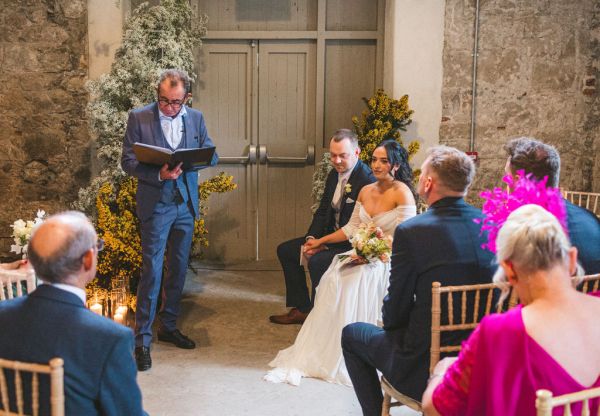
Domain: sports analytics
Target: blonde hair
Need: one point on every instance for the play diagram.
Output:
(532, 239)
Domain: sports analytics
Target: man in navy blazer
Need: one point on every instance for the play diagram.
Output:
(344, 182)
(167, 205)
(443, 244)
(541, 160)
(99, 369)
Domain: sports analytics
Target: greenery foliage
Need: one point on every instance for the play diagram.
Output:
(383, 119)
(155, 38)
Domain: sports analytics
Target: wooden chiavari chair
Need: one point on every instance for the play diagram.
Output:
(57, 397)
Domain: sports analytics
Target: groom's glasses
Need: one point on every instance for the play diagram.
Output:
(175, 104)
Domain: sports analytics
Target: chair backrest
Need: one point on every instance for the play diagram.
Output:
(545, 402)
(57, 397)
(590, 283)
(11, 283)
(587, 200)
(468, 319)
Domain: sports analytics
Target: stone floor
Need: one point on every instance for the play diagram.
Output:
(226, 313)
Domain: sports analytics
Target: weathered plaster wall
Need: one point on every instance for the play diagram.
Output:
(537, 76)
(413, 65)
(44, 140)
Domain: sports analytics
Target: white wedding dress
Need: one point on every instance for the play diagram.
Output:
(347, 293)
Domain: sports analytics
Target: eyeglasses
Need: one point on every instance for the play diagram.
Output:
(99, 246)
(173, 103)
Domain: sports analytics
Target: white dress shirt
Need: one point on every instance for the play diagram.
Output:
(172, 127)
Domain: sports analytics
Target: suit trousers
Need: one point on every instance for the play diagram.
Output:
(170, 227)
(288, 253)
(364, 347)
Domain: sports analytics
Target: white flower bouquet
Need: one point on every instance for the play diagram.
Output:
(370, 245)
(22, 233)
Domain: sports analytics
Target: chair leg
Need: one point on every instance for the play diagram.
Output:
(385, 408)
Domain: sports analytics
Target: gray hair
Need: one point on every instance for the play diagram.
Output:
(531, 155)
(454, 169)
(342, 134)
(532, 239)
(66, 261)
(175, 76)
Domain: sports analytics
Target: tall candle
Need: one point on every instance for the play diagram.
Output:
(122, 310)
(118, 318)
(96, 308)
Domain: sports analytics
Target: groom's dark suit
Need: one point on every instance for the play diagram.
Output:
(442, 244)
(323, 223)
(99, 370)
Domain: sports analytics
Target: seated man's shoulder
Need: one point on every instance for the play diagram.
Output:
(103, 325)
(582, 214)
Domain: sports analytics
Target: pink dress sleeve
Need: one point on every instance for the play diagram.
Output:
(451, 395)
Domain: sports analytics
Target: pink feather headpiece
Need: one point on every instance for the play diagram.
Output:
(522, 191)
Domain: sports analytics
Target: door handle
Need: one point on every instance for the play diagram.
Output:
(309, 159)
(248, 159)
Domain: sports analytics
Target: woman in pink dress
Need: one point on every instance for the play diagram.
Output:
(551, 341)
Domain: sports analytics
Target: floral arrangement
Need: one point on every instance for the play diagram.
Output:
(370, 245)
(119, 227)
(383, 119)
(22, 233)
(522, 190)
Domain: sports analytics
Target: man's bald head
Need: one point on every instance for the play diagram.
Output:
(58, 245)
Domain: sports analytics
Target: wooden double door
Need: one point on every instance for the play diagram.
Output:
(258, 98)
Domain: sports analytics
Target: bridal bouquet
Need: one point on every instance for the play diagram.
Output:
(370, 244)
(22, 233)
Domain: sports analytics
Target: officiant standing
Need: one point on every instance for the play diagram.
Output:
(167, 205)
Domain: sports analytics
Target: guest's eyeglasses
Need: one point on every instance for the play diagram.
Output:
(99, 246)
(175, 104)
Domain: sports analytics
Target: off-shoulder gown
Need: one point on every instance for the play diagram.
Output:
(347, 293)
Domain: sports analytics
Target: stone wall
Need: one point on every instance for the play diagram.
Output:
(537, 76)
(44, 139)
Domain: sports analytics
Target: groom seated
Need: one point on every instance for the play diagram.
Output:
(442, 244)
(344, 182)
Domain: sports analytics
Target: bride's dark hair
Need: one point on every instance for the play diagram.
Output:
(398, 156)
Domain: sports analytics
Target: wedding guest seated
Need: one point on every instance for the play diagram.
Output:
(344, 182)
(52, 321)
(542, 160)
(443, 244)
(551, 341)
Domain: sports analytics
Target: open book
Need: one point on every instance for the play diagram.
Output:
(154, 155)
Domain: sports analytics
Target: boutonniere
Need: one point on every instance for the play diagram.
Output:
(348, 188)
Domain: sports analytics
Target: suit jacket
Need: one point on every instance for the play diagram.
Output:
(144, 126)
(99, 369)
(584, 232)
(323, 222)
(443, 244)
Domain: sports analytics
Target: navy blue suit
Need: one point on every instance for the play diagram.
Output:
(323, 223)
(442, 244)
(99, 369)
(584, 232)
(166, 210)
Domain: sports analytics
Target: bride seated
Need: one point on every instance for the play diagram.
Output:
(351, 292)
